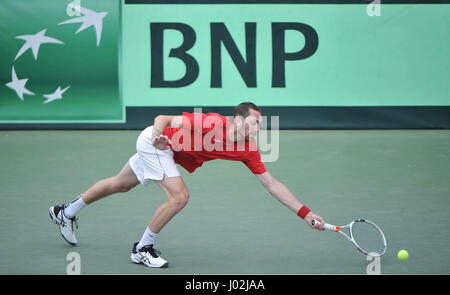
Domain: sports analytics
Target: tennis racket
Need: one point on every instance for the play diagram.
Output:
(364, 234)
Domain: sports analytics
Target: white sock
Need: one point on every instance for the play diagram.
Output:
(74, 207)
(148, 238)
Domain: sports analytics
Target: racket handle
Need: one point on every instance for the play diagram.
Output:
(325, 226)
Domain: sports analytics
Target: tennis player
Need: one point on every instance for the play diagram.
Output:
(188, 140)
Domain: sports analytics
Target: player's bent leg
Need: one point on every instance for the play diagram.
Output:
(178, 196)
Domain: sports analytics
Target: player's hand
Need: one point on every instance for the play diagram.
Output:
(309, 218)
(161, 142)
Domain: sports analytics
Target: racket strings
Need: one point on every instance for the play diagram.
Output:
(368, 237)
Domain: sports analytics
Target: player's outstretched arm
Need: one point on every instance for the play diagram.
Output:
(280, 192)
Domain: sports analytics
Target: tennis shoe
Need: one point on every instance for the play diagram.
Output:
(148, 256)
(65, 223)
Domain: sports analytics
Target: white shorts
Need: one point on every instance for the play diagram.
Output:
(150, 163)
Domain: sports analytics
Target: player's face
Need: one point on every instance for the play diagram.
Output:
(252, 124)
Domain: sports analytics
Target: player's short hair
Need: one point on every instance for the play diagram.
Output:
(243, 109)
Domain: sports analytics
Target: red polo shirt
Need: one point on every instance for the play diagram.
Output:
(203, 138)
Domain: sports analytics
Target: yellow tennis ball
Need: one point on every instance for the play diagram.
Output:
(402, 255)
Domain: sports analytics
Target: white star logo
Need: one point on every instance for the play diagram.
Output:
(89, 18)
(55, 95)
(18, 85)
(34, 42)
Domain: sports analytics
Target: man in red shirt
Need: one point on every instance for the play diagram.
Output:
(188, 140)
